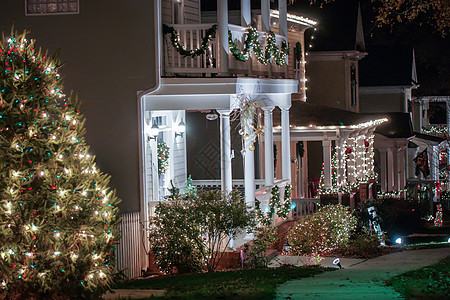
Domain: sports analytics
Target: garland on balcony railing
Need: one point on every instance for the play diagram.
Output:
(251, 43)
(175, 39)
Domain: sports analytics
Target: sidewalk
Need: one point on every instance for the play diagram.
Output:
(360, 279)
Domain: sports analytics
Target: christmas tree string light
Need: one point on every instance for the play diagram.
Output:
(58, 218)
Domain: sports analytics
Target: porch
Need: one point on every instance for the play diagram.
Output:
(167, 108)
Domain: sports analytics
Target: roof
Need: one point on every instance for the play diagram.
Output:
(428, 137)
(387, 66)
(305, 114)
(399, 125)
(232, 5)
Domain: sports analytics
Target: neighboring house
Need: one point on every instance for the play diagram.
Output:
(418, 128)
(431, 120)
(388, 77)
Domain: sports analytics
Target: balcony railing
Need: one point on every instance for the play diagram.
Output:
(190, 37)
(207, 63)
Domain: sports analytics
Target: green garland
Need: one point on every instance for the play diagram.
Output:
(251, 43)
(175, 39)
(275, 205)
(163, 158)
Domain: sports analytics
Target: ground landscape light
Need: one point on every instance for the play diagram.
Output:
(399, 241)
(337, 262)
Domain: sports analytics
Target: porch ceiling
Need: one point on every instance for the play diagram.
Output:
(218, 93)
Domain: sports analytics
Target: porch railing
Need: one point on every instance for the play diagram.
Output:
(305, 206)
(191, 37)
(252, 66)
(215, 184)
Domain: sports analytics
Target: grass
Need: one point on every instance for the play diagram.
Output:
(242, 284)
(431, 282)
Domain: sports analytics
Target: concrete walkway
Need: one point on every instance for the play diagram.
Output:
(360, 279)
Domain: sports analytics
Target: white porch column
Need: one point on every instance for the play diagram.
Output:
(225, 151)
(245, 13)
(396, 166)
(390, 170)
(268, 145)
(285, 144)
(359, 156)
(282, 8)
(402, 168)
(448, 114)
(341, 162)
(383, 170)
(435, 163)
(222, 20)
(249, 175)
(326, 146)
(265, 15)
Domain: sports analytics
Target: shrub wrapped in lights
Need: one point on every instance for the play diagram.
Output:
(325, 230)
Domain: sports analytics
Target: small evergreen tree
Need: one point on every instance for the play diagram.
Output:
(58, 218)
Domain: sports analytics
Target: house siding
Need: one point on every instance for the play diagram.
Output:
(108, 52)
(326, 83)
(191, 12)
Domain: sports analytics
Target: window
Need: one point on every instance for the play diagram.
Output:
(353, 84)
(437, 113)
(51, 7)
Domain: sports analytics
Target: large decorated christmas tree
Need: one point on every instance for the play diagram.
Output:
(58, 218)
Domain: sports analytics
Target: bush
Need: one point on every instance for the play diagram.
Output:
(322, 231)
(361, 245)
(256, 252)
(175, 238)
(221, 217)
(191, 235)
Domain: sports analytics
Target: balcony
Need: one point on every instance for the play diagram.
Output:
(191, 62)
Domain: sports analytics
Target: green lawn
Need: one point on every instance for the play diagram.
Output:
(243, 284)
(431, 282)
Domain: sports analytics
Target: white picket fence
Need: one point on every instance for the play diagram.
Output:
(130, 253)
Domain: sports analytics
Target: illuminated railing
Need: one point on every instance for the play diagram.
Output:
(304, 207)
(191, 36)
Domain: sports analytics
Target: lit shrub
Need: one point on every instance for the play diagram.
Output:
(175, 238)
(190, 236)
(256, 251)
(325, 230)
